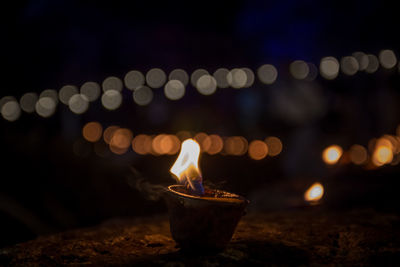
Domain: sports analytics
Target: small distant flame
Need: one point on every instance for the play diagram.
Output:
(314, 193)
(186, 167)
(332, 154)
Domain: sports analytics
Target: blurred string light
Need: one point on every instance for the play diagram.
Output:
(112, 83)
(220, 76)
(258, 149)
(143, 96)
(206, 85)
(91, 90)
(180, 75)
(196, 76)
(312, 72)
(28, 101)
(111, 99)
(66, 92)
(235, 145)
(121, 141)
(332, 154)
(314, 193)
(362, 60)
(134, 79)
(373, 64)
(45, 106)
(383, 153)
(349, 65)
(78, 104)
(274, 146)
(237, 78)
(329, 68)
(50, 93)
(155, 78)
(267, 74)
(9, 108)
(174, 89)
(109, 132)
(249, 77)
(358, 154)
(92, 131)
(387, 58)
(299, 69)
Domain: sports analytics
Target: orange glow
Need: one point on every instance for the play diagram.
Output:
(108, 133)
(121, 138)
(274, 145)
(358, 154)
(141, 144)
(258, 150)
(156, 144)
(216, 144)
(235, 145)
(332, 154)
(186, 167)
(171, 144)
(204, 141)
(383, 153)
(314, 193)
(92, 131)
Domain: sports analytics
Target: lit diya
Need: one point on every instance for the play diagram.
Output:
(200, 217)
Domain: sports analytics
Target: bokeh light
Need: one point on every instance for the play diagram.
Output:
(329, 68)
(109, 132)
(91, 90)
(258, 149)
(237, 78)
(216, 144)
(196, 76)
(383, 152)
(387, 58)
(66, 92)
(170, 144)
(156, 144)
(312, 72)
(45, 106)
(92, 131)
(206, 85)
(204, 141)
(10, 110)
(143, 96)
(121, 140)
(134, 79)
(50, 93)
(174, 90)
(362, 60)
(180, 75)
(235, 145)
(250, 77)
(358, 154)
(349, 65)
(332, 154)
(111, 99)
(314, 193)
(155, 78)
(373, 64)
(142, 144)
(78, 104)
(28, 102)
(274, 146)
(220, 76)
(112, 83)
(267, 74)
(299, 69)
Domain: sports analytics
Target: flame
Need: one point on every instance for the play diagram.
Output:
(314, 193)
(186, 167)
(332, 154)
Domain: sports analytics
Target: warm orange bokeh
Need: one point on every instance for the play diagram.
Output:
(141, 144)
(216, 144)
(332, 154)
(204, 141)
(92, 131)
(274, 145)
(314, 193)
(358, 154)
(109, 132)
(258, 149)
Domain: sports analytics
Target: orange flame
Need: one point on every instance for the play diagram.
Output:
(186, 167)
(314, 193)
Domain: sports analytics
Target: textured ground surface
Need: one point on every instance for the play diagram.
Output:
(297, 237)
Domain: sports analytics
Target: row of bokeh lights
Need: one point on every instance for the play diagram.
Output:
(380, 151)
(120, 140)
(78, 99)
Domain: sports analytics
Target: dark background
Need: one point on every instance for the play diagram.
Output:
(45, 187)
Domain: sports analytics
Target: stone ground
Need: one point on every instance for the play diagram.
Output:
(299, 237)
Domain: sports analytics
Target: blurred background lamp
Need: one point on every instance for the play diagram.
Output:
(329, 68)
(143, 96)
(206, 85)
(78, 104)
(267, 74)
(180, 75)
(155, 78)
(134, 79)
(28, 101)
(174, 90)
(112, 83)
(91, 90)
(66, 92)
(111, 99)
